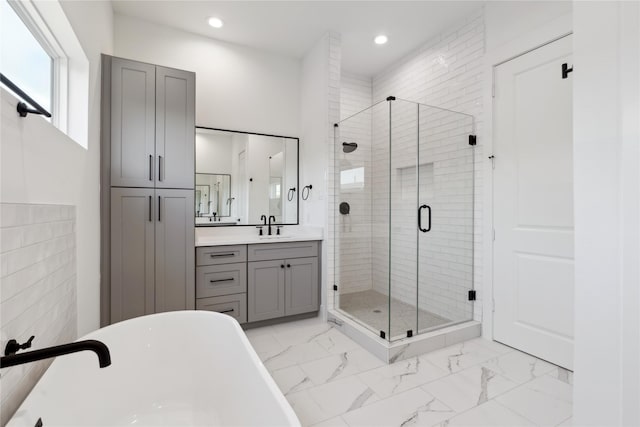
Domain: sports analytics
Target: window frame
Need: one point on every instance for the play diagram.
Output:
(34, 22)
(48, 23)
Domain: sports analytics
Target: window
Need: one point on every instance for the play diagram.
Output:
(24, 61)
(352, 178)
(42, 56)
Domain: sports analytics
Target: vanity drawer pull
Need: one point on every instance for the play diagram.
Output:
(221, 255)
(231, 310)
(222, 280)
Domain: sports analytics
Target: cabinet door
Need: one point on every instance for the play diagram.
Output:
(175, 128)
(265, 290)
(133, 109)
(301, 288)
(175, 250)
(132, 251)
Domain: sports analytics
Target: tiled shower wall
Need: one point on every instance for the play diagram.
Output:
(38, 288)
(446, 72)
(353, 247)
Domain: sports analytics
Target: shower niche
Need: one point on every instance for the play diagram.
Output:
(403, 256)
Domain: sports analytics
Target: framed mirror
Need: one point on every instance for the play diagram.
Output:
(241, 176)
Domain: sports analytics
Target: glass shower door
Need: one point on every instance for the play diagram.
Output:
(403, 241)
(445, 218)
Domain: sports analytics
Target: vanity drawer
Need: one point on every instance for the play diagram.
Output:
(232, 305)
(225, 279)
(213, 255)
(270, 251)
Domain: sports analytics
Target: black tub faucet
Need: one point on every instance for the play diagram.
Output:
(12, 359)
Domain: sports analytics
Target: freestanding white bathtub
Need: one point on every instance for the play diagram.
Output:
(182, 368)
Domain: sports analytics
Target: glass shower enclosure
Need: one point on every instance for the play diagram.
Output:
(403, 226)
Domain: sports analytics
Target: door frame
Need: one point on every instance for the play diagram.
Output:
(554, 30)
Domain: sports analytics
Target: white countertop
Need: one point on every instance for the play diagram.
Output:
(217, 236)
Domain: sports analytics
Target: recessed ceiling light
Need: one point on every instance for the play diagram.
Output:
(381, 39)
(216, 22)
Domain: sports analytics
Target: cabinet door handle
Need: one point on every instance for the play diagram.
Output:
(222, 280)
(231, 310)
(150, 208)
(282, 266)
(221, 255)
(288, 265)
(150, 167)
(159, 208)
(159, 168)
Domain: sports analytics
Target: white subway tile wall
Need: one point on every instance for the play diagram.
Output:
(446, 72)
(353, 175)
(37, 288)
(333, 101)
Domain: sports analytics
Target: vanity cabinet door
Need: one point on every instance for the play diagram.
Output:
(133, 115)
(266, 290)
(175, 254)
(301, 288)
(132, 253)
(175, 128)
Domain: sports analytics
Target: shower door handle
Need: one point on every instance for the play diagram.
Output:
(428, 208)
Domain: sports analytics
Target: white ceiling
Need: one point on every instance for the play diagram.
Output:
(292, 27)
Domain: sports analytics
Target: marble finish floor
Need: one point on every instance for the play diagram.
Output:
(372, 309)
(330, 380)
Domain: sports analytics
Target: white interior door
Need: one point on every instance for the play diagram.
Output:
(533, 204)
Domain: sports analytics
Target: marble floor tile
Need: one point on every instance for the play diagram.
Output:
(545, 401)
(330, 380)
(292, 379)
(400, 376)
(468, 388)
(255, 332)
(492, 345)
(306, 409)
(265, 344)
(566, 423)
(413, 407)
(306, 331)
(519, 367)
(488, 414)
(340, 365)
(562, 374)
(335, 342)
(341, 396)
(461, 356)
(333, 422)
(294, 354)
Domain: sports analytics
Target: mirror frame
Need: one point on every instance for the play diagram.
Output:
(297, 178)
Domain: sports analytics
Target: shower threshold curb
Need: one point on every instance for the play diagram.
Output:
(405, 348)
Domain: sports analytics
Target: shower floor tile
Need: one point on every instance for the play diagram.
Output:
(371, 308)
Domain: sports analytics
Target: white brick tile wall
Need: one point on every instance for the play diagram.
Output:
(37, 288)
(334, 93)
(445, 72)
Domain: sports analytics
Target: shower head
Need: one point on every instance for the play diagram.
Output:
(349, 147)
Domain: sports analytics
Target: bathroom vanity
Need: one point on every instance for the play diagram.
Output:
(257, 278)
